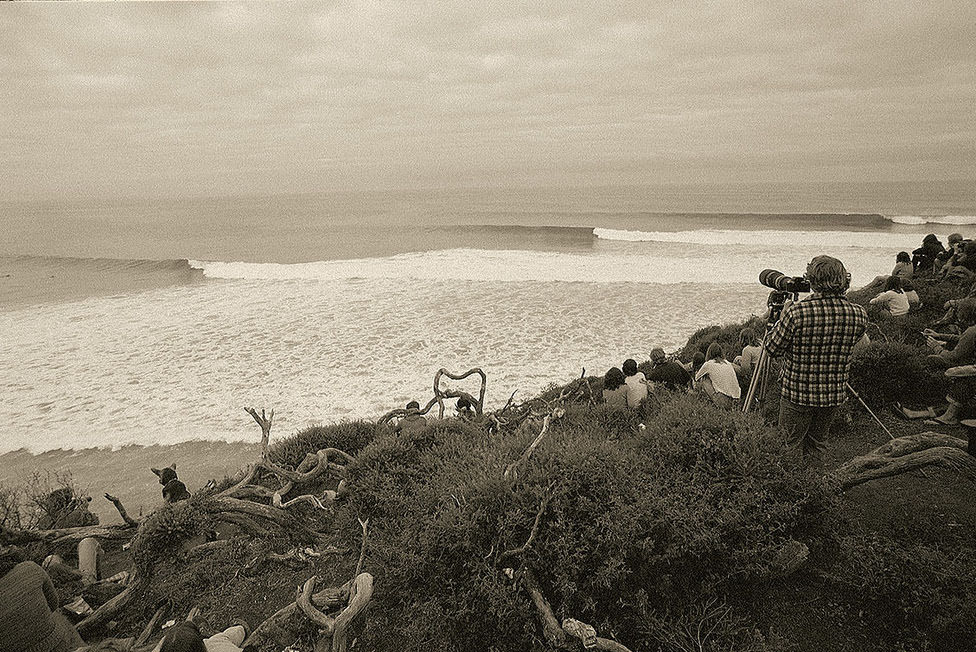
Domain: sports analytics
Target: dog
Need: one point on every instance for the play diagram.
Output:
(173, 489)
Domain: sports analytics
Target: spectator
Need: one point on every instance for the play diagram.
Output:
(717, 378)
(923, 258)
(954, 241)
(745, 364)
(186, 637)
(893, 298)
(962, 388)
(412, 421)
(816, 337)
(29, 616)
(615, 388)
(636, 383)
(669, 373)
(903, 266)
(464, 410)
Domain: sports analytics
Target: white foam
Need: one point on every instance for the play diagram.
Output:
(667, 266)
(958, 220)
(824, 239)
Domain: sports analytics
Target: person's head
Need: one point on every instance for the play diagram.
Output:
(658, 356)
(903, 257)
(715, 352)
(966, 313)
(955, 239)
(747, 337)
(413, 405)
(630, 367)
(463, 405)
(893, 283)
(10, 556)
(827, 275)
(930, 239)
(613, 379)
(697, 360)
(184, 637)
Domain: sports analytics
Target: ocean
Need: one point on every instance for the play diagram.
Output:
(137, 325)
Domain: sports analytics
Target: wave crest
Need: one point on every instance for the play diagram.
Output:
(915, 220)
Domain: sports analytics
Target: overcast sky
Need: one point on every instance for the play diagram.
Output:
(163, 99)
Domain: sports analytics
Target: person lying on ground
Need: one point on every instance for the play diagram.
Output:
(63, 509)
(717, 378)
(669, 373)
(29, 616)
(893, 298)
(412, 421)
(615, 388)
(636, 383)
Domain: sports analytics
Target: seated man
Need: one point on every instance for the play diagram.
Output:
(636, 383)
(413, 421)
(669, 373)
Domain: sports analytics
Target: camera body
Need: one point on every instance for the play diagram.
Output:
(782, 283)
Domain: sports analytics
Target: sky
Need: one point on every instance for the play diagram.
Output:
(175, 99)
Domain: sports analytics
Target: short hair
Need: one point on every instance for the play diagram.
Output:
(463, 403)
(903, 257)
(715, 352)
(413, 405)
(613, 379)
(697, 360)
(955, 237)
(184, 637)
(657, 354)
(630, 367)
(827, 275)
(893, 283)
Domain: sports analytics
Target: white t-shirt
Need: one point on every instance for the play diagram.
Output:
(636, 389)
(897, 302)
(722, 375)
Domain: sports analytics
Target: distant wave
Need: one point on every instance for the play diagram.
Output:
(831, 239)
(958, 220)
(176, 266)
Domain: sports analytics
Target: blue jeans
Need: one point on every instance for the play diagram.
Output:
(806, 428)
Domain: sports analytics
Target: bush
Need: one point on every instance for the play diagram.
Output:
(699, 504)
(891, 371)
(348, 436)
(913, 592)
(165, 531)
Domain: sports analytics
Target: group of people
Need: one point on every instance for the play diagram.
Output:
(814, 338)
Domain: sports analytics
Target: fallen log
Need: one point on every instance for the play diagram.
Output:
(906, 454)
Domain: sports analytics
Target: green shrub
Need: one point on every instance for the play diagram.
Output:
(348, 436)
(914, 591)
(698, 504)
(891, 371)
(164, 532)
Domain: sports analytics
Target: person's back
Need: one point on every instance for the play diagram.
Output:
(412, 423)
(671, 374)
(29, 621)
(894, 301)
(636, 383)
(718, 378)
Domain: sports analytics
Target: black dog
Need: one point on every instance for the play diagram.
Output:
(173, 489)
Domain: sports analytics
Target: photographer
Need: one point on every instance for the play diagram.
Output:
(816, 337)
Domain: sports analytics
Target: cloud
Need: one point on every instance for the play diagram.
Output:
(224, 98)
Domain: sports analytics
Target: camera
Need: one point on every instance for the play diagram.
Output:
(783, 283)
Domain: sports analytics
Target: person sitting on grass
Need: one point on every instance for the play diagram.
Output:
(29, 617)
(962, 387)
(615, 388)
(717, 378)
(745, 364)
(923, 258)
(893, 298)
(636, 383)
(412, 421)
(669, 373)
(955, 241)
(903, 266)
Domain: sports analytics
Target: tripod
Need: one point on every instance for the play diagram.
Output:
(760, 375)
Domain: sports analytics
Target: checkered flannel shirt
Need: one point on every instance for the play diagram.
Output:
(816, 336)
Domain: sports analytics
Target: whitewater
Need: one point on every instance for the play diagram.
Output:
(337, 339)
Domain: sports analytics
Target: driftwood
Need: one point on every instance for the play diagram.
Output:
(402, 412)
(108, 610)
(122, 512)
(281, 626)
(265, 423)
(906, 454)
(478, 403)
(511, 471)
(333, 632)
(67, 535)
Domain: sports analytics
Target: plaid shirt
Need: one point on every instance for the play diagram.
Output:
(816, 337)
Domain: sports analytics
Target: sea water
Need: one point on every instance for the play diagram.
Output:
(136, 323)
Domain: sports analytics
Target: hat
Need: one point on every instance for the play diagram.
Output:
(657, 354)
